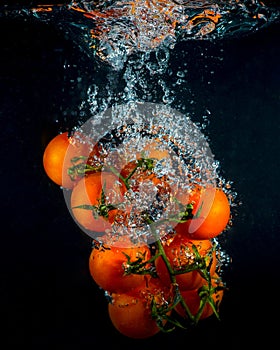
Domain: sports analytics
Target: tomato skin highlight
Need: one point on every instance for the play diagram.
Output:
(88, 191)
(107, 267)
(211, 216)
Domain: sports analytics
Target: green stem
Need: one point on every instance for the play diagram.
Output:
(172, 274)
(148, 162)
(116, 172)
(132, 172)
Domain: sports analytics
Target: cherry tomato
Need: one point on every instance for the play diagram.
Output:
(191, 196)
(96, 201)
(108, 266)
(58, 159)
(211, 215)
(101, 157)
(154, 149)
(193, 299)
(185, 202)
(131, 313)
(181, 254)
(96, 158)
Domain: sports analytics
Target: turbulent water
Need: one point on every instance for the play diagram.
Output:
(113, 30)
(134, 39)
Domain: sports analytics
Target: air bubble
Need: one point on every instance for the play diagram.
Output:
(120, 29)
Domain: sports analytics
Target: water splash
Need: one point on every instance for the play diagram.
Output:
(113, 30)
(136, 37)
(185, 160)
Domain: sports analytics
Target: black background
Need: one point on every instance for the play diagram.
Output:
(47, 295)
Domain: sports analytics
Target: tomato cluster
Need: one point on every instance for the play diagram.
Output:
(149, 289)
(153, 285)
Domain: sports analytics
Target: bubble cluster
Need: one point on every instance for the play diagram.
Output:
(113, 30)
(150, 131)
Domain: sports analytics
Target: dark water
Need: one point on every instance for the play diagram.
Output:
(47, 295)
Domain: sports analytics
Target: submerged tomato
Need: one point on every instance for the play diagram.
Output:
(108, 266)
(181, 254)
(193, 300)
(58, 159)
(96, 201)
(133, 313)
(211, 214)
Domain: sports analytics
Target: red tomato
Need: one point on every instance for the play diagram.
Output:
(58, 159)
(211, 215)
(107, 266)
(93, 200)
(131, 312)
(180, 254)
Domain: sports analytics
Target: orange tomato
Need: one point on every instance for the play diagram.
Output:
(180, 254)
(102, 157)
(58, 159)
(193, 300)
(185, 201)
(131, 312)
(155, 149)
(95, 201)
(191, 196)
(211, 215)
(107, 266)
(136, 169)
(96, 158)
